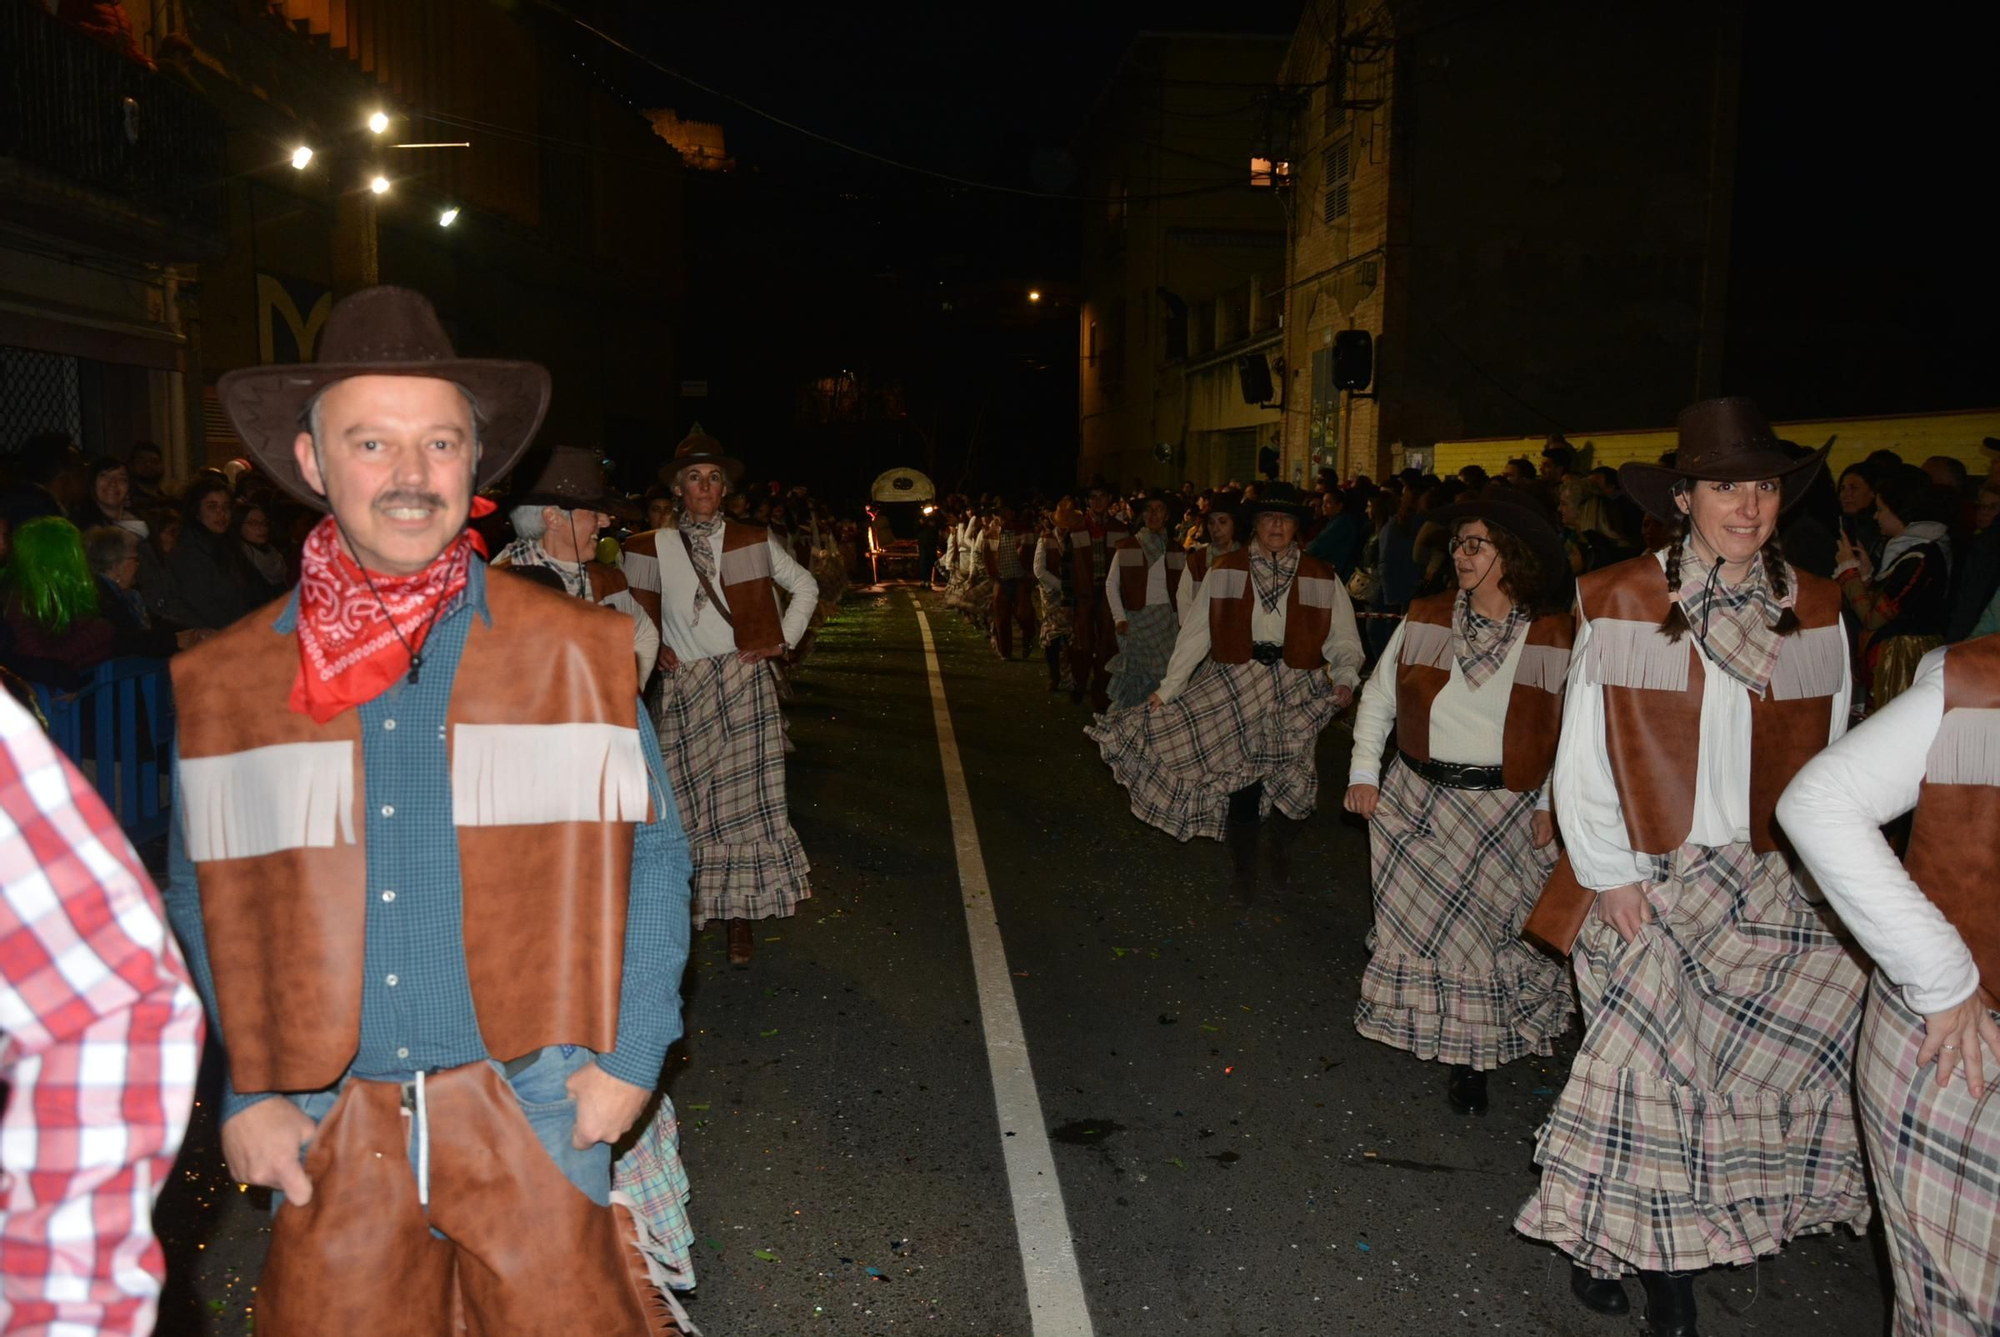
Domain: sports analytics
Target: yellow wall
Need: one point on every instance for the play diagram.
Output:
(1915, 437)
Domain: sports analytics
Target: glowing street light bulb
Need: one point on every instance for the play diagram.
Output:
(1034, 294)
(301, 156)
(378, 122)
(380, 185)
(448, 217)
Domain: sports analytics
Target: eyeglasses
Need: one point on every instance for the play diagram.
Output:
(1471, 545)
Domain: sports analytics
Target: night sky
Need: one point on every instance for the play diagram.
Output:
(1861, 259)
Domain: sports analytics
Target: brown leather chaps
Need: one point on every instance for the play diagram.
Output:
(525, 1253)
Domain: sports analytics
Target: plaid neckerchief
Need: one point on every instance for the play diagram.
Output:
(1736, 626)
(699, 532)
(1479, 643)
(1153, 545)
(1273, 575)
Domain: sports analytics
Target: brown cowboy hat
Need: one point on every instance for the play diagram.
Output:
(698, 447)
(1278, 499)
(572, 478)
(1724, 439)
(383, 331)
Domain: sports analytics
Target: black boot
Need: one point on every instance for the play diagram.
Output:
(1466, 1091)
(1053, 654)
(1243, 860)
(1604, 1294)
(1669, 1303)
(1284, 831)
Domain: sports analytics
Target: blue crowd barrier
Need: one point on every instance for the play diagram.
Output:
(117, 728)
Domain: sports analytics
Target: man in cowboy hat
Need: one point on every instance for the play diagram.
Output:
(556, 523)
(446, 985)
(713, 583)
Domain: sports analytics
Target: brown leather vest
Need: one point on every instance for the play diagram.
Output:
(1652, 702)
(271, 807)
(1953, 839)
(1134, 573)
(605, 580)
(1197, 563)
(1088, 576)
(1308, 610)
(1534, 703)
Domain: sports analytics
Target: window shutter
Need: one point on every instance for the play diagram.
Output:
(1339, 165)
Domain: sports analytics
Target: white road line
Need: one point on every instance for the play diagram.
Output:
(1048, 1258)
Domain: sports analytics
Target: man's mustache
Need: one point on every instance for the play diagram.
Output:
(409, 501)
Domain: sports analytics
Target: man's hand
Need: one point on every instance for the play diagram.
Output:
(1625, 909)
(1121, 627)
(264, 1146)
(1361, 800)
(754, 656)
(669, 661)
(605, 1106)
(1543, 829)
(1955, 1035)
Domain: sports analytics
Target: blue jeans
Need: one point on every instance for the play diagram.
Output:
(545, 1100)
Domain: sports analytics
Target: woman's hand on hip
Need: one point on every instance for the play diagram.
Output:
(1542, 829)
(753, 656)
(1963, 1035)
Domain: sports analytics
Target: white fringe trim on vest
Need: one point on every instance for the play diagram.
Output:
(1427, 645)
(531, 774)
(1623, 653)
(746, 563)
(1809, 664)
(1316, 591)
(642, 570)
(1543, 666)
(1967, 749)
(1227, 584)
(289, 796)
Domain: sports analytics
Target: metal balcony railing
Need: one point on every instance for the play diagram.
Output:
(81, 110)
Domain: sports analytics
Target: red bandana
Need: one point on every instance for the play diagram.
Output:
(349, 650)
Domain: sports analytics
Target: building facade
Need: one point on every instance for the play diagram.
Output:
(1527, 207)
(545, 223)
(1183, 295)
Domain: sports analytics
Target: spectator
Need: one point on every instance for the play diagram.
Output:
(269, 574)
(1474, 478)
(1339, 541)
(149, 475)
(1558, 458)
(1903, 603)
(101, 1041)
(1857, 510)
(1978, 574)
(48, 478)
(209, 586)
(113, 555)
(107, 497)
(1518, 470)
(51, 609)
(1395, 568)
(659, 507)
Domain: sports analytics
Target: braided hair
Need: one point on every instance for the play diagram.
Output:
(1675, 624)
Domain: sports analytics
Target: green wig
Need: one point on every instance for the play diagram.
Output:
(49, 575)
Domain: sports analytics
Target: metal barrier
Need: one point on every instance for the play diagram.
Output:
(117, 729)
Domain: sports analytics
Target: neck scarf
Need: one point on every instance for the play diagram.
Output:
(530, 552)
(699, 533)
(1737, 627)
(1273, 575)
(353, 640)
(1479, 643)
(1153, 545)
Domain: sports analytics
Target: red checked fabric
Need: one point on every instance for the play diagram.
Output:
(100, 1037)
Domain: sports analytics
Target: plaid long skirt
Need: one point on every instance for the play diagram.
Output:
(1236, 724)
(723, 737)
(1935, 1152)
(1143, 652)
(1455, 874)
(978, 607)
(1709, 1116)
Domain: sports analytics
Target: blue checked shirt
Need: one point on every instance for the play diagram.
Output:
(416, 1001)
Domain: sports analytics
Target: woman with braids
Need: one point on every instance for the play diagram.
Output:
(1709, 1115)
(1471, 682)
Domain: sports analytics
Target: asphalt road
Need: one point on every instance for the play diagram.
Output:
(1233, 1157)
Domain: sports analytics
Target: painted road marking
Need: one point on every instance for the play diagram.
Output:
(1048, 1257)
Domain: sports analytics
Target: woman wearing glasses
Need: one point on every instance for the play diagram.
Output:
(1460, 832)
(1708, 1117)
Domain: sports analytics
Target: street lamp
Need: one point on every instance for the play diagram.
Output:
(378, 122)
(448, 217)
(380, 185)
(301, 156)
(1034, 294)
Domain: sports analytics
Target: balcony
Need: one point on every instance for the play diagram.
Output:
(95, 147)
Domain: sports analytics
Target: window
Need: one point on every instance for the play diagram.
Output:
(1339, 165)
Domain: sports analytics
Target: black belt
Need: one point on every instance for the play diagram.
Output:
(1267, 652)
(1452, 775)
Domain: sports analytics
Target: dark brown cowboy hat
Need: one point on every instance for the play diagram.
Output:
(1723, 439)
(1523, 510)
(383, 332)
(572, 478)
(698, 447)
(1277, 498)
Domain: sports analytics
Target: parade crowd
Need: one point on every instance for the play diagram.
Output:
(504, 749)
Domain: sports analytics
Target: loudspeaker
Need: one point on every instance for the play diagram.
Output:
(1254, 372)
(1353, 359)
